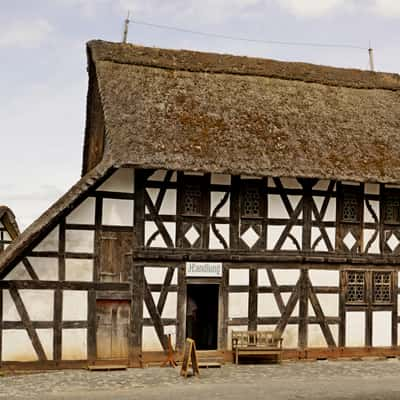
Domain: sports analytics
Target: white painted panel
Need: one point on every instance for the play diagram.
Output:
(371, 188)
(276, 208)
(6, 236)
(238, 276)
(294, 201)
(17, 346)
(158, 175)
(155, 275)
(286, 276)
(382, 328)
(238, 305)
(271, 183)
(262, 277)
(367, 214)
(374, 248)
(149, 229)
(171, 229)
(10, 312)
(153, 194)
(355, 329)
(216, 198)
(290, 183)
(46, 268)
(50, 242)
(330, 215)
(78, 270)
(249, 177)
(121, 181)
(315, 234)
(46, 338)
(79, 241)
(316, 337)
(75, 305)
(266, 305)
(83, 214)
(273, 235)
(321, 185)
(170, 306)
(220, 179)
(290, 337)
(193, 173)
(117, 212)
(1, 225)
(174, 280)
(285, 298)
(234, 328)
(19, 272)
(223, 230)
(168, 205)
(311, 312)
(150, 341)
(297, 233)
(38, 304)
(329, 304)
(156, 296)
(320, 277)
(74, 344)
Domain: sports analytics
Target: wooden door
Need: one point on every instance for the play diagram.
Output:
(112, 329)
(114, 246)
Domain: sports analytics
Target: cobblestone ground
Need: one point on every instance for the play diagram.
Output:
(326, 380)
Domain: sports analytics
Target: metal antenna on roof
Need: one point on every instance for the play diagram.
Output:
(371, 58)
(126, 26)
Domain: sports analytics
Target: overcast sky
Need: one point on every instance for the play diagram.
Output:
(43, 80)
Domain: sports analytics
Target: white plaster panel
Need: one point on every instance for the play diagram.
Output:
(350, 183)
(273, 235)
(249, 177)
(149, 228)
(156, 296)
(290, 337)
(19, 272)
(38, 304)
(155, 275)
(121, 181)
(330, 213)
(78, 270)
(321, 277)
(192, 173)
(171, 229)
(215, 243)
(168, 205)
(75, 305)
(266, 305)
(150, 341)
(216, 198)
(355, 329)
(74, 344)
(311, 312)
(50, 242)
(170, 306)
(316, 337)
(382, 328)
(315, 234)
(1, 225)
(238, 276)
(276, 208)
(6, 235)
(297, 233)
(158, 175)
(238, 305)
(79, 241)
(117, 212)
(46, 338)
(290, 183)
(46, 268)
(10, 312)
(294, 201)
(17, 346)
(329, 304)
(286, 276)
(371, 188)
(83, 214)
(153, 194)
(374, 248)
(262, 277)
(220, 179)
(322, 184)
(285, 298)
(367, 214)
(241, 328)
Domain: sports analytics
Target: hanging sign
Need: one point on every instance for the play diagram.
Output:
(204, 269)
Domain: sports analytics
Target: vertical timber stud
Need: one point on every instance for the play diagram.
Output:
(223, 310)
(140, 179)
(252, 312)
(303, 309)
(136, 327)
(1, 327)
(181, 310)
(395, 308)
(234, 212)
(92, 326)
(368, 311)
(342, 309)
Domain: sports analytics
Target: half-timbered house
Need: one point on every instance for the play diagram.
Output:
(258, 194)
(8, 227)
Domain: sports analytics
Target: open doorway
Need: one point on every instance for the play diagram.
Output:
(202, 315)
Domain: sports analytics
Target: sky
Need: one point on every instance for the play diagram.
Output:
(43, 81)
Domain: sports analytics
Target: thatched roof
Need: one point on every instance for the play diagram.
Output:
(7, 218)
(196, 111)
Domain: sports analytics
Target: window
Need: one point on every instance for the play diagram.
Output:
(382, 287)
(355, 287)
(252, 200)
(192, 199)
(352, 205)
(391, 207)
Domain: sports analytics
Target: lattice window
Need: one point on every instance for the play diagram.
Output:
(382, 287)
(251, 203)
(355, 287)
(192, 199)
(392, 210)
(351, 208)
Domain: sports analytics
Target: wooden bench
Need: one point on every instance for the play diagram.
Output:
(256, 343)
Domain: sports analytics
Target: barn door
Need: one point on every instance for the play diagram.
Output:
(114, 246)
(112, 329)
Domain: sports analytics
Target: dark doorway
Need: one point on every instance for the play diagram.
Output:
(202, 315)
